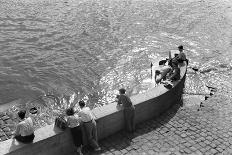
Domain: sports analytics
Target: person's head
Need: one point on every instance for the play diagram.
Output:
(175, 55)
(162, 62)
(157, 72)
(70, 111)
(181, 48)
(22, 114)
(82, 103)
(122, 91)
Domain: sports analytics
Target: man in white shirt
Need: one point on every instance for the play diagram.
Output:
(24, 129)
(162, 72)
(89, 125)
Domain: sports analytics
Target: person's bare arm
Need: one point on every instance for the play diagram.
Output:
(119, 100)
(16, 133)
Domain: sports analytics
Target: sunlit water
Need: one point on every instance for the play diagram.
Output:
(93, 48)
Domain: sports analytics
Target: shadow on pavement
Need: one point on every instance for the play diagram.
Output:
(121, 140)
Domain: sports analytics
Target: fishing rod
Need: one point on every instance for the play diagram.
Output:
(151, 70)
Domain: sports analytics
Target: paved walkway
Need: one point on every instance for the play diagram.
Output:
(184, 130)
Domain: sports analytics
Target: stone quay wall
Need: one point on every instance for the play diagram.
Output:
(50, 140)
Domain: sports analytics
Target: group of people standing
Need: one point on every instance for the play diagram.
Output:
(80, 122)
(83, 121)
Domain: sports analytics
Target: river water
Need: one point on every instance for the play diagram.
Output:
(95, 47)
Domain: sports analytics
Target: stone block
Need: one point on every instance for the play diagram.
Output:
(219, 149)
(9, 133)
(151, 152)
(117, 152)
(213, 151)
(9, 121)
(6, 129)
(207, 142)
(4, 118)
(2, 133)
(183, 135)
(187, 150)
(123, 151)
(1, 122)
(3, 138)
(2, 114)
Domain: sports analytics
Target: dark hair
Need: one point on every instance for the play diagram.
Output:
(170, 62)
(162, 62)
(70, 111)
(22, 114)
(157, 72)
(174, 63)
(181, 47)
(81, 103)
(122, 91)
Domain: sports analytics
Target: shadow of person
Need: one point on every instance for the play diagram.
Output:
(15, 145)
(122, 139)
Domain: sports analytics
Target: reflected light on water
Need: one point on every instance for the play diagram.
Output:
(93, 48)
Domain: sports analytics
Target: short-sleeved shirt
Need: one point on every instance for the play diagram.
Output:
(125, 101)
(85, 114)
(182, 56)
(25, 128)
(73, 121)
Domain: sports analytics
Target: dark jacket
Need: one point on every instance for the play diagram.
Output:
(125, 101)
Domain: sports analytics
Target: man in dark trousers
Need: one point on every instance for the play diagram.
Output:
(128, 110)
(89, 124)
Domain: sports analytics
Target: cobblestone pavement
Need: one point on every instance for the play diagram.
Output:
(5, 131)
(181, 130)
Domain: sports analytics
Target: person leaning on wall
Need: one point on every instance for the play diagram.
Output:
(89, 125)
(24, 129)
(74, 122)
(128, 110)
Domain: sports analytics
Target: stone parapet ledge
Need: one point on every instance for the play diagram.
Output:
(147, 105)
(50, 140)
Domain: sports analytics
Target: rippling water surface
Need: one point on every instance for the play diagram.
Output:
(94, 47)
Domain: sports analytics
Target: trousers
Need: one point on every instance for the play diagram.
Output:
(129, 118)
(25, 139)
(91, 133)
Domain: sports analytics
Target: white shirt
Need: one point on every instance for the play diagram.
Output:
(73, 121)
(164, 70)
(25, 128)
(85, 114)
